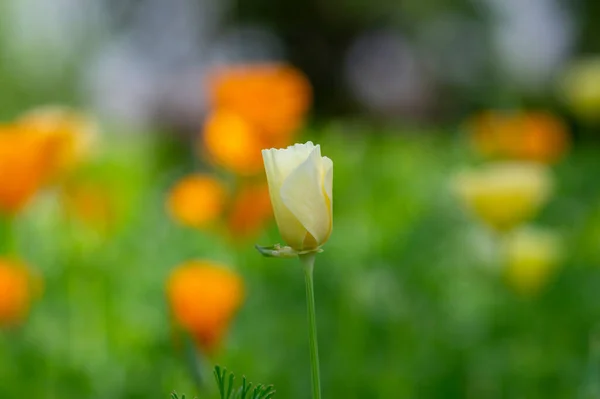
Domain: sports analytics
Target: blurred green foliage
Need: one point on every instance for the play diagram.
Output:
(408, 301)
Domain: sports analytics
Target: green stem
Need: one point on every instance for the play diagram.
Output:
(308, 261)
(8, 242)
(197, 364)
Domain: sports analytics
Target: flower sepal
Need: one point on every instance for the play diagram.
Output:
(277, 251)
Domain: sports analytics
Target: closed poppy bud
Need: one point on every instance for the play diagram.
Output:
(300, 185)
(204, 297)
(15, 292)
(504, 195)
(196, 200)
(531, 258)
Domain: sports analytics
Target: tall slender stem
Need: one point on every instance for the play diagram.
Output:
(198, 365)
(308, 261)
(8, 242)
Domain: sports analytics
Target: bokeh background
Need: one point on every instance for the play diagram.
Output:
(465, 256)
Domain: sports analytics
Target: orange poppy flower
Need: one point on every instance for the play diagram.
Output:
(71, 134)
(250, 210)
(230, 141)
(534, 136)
(197, 200)
(15, 292)
(273, 97)
(24, 161)
(204, 297)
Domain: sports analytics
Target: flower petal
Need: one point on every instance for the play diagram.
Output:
(278, 165)
(303, 195)
(328, 180)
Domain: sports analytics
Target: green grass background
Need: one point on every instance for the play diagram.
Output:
(409, 304)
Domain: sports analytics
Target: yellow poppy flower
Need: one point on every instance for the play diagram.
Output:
(531, 258)
(504, 195)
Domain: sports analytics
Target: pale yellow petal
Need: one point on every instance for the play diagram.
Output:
(277, 167)
(303, 195)
(328, 186)
(279, 163)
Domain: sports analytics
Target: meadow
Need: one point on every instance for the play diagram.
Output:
(415, 297)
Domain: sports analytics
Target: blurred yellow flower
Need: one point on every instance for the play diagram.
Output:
(16, 292)
(535, 136)
(197, 200)
(71, 134)
(504, 195)
(273, 97)
(204, 296)
(580, 88)
(24, 160)
(300, 186)
(531, 258)
(250, 210)
(232, 142)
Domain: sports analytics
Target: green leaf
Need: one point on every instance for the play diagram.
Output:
(225, 383)
(230, 388)
(277, 251)
(174, 395)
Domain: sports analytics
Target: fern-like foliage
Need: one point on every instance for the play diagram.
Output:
(175, 396)
(227, 390)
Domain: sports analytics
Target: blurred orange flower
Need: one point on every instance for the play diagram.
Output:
(24, 161)
(204, 297)
(253, 107)
(70, 132)
(197, 200)
(233, 143)
(535, 136)
(273, 97)
(15, 292)
(250, 210)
